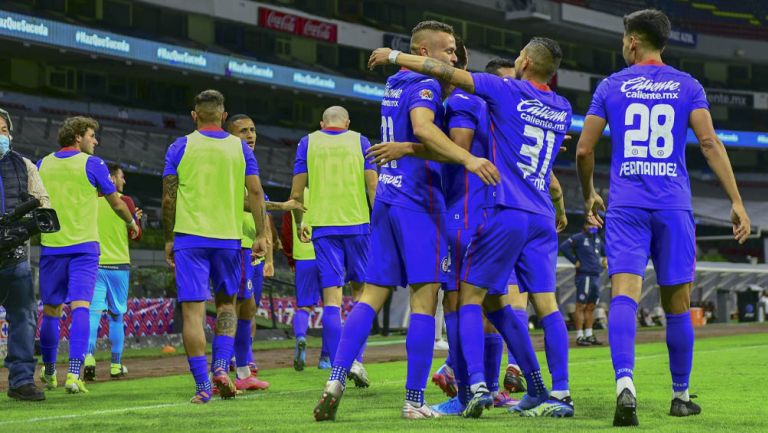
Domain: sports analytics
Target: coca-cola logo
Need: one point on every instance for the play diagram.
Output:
(318, 29)
(297, 25)
(280, 21)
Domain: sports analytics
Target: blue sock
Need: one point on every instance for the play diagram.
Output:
(324, 348)
(471, 334)
(419, 345)
(49, 342)
(116, 337)
(249, 353)
(494, 348)
(452, 333)
(521, 315)
(622, 327)
(223, 346)
(353, 336)
(680, 347)
(556, 348)
(242, 342)
(515, 334)
(332, 329)
(198, 365)
(360, 354)
(78, 338)
(456, 358)
(94, 317)
(300, 323)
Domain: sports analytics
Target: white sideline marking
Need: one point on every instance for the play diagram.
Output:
(245, 397)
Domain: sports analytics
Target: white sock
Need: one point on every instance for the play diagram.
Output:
(478, 387)
(625, 383)
(579, 333)
(243, 372)
(682, 395)
(560, 394)
(588, 332)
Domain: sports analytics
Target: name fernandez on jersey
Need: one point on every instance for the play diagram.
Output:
(647, 107)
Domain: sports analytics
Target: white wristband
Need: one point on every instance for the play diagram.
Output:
(393, 56)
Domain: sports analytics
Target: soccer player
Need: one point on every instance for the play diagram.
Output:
(407, 238)
(207, 173)
(528, 121)
(112, 279)
(342, 185)
(587, 253)
(649, 107)
(301, 257)
(69, 258)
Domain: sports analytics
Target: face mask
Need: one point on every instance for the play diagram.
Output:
(5, 145)
(592, 230)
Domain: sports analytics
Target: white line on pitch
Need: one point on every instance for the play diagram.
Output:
(390, 382)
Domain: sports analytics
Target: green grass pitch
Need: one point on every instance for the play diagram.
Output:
(728, 376)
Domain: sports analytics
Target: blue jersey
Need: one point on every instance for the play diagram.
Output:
(409, 181)
(528, 124)
(647, 108)
(464, 191)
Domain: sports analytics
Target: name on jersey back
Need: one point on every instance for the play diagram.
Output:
(391, 97)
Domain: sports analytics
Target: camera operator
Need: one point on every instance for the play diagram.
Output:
(19, 180)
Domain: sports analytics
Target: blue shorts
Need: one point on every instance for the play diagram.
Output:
(668, 237)
(341, 258)
(407, 247)
(512, 240)
(196, 268)
(587, 288)
(251, 278)
(308, 289)
(68, 277)
(111, 292)
(458, 241)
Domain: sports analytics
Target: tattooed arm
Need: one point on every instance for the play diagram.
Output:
(427, 66)
(170, 188)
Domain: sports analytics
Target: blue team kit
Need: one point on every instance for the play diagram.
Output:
(650, 212)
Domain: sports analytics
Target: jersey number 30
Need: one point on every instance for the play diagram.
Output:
(654, 131)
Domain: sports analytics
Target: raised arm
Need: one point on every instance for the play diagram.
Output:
(585, 165)
(423, 65)
(717, 159)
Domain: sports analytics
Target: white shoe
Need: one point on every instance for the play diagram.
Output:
(410, 411)
(358, 374)
(441, 345)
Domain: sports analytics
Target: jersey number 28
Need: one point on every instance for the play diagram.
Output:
(655, 134)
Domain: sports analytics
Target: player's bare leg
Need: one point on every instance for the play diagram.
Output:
(193, 337)
(676, 301)
(226, 327)
(622, 328)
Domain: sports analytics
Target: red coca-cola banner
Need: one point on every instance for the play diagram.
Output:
(289, 23)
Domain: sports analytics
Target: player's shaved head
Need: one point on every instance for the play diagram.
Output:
(209, 107)
(335, 117)
(650, 26)
(540, 58)
(423, 35)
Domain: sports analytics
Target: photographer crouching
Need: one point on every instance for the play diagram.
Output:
(19, 182)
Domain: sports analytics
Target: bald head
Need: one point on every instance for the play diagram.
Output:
(335, 117)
